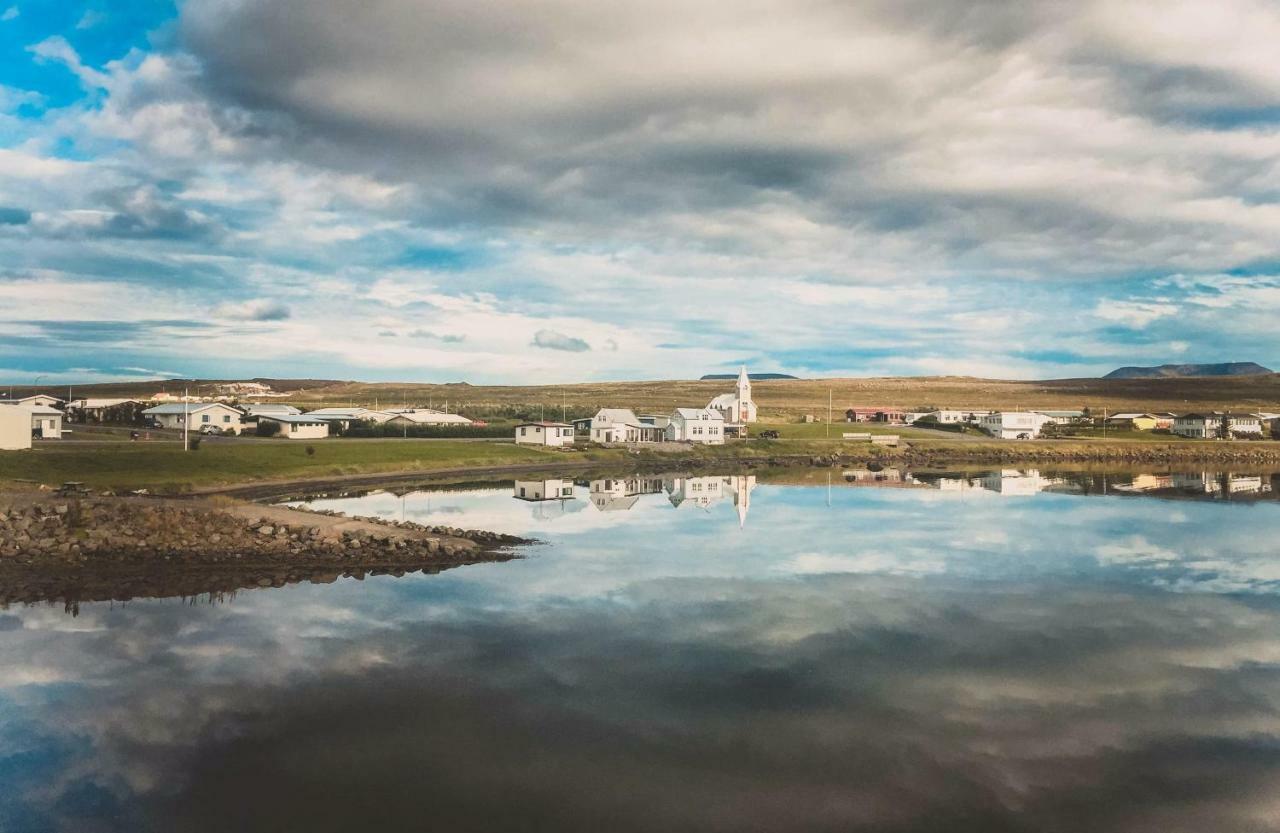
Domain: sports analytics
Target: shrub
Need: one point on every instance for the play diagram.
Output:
(311, 451)
(267, 428)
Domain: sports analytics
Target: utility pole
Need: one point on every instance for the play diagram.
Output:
(186, 420)
(829, 395)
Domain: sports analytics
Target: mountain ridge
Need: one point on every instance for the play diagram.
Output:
(1183, 371)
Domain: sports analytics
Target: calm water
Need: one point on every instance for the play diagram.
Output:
(895, 653)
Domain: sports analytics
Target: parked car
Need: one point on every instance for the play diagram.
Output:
(210, 429)
(769, 434)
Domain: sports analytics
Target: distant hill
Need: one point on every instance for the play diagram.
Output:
(1173, 371)
(755, 377)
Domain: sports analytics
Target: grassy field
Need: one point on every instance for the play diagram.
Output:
(779, 400)
(168, 468)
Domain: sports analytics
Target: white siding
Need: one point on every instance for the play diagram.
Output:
(15, 427)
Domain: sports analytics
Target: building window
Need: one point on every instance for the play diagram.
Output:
(204, 418)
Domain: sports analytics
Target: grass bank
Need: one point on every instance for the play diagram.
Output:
(166, 468)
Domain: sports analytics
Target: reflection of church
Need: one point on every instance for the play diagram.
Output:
(703, 492)
(737, 408)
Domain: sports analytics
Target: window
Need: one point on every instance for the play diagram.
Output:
(204, 417)
(226, 418)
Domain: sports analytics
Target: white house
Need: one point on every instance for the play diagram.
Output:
(537, 490)
(552, 434)
(425, 416)
(1063, 417)
(951, 417)
(345, 416)
(1013, 425)
(42, 399)
(704, 426)
(197, 415)
(15, 427)
(621, 425)
(296, 426)
(1209, 425)
(737, 408)
(46, 422)
(269, 409)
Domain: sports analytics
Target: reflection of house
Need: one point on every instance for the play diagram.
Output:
(1146, 483)
(553, 434)
(214, 413)
(703, 492)
(702, 426)
(610, 494)
(737, 408)
(1213, 483)
(538, 490)
(889, 476)
(1013, 425)
(1015, 482)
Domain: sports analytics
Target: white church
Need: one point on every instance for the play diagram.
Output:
(737, 408)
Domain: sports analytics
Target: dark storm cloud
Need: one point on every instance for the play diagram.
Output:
(963, 125)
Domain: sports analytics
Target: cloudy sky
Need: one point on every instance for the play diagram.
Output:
(561, 190)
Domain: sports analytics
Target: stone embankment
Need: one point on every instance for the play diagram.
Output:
(114, 530)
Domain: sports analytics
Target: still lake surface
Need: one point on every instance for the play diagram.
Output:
(1012, 651)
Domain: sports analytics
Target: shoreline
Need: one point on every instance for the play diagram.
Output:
(918, 454)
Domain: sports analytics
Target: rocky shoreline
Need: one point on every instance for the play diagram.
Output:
(99, 531)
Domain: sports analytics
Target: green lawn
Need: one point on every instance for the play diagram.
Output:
(166, 467)
(818, 430)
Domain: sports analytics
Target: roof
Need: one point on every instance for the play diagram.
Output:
(698, 413)
(1130, 416)
(189, 408)
(545, 424)
(429, 418)
(269, 408)
(338, 412)
(99, 403)
(294, 419)
(1066, 413)
(43, 410)
(615, 415)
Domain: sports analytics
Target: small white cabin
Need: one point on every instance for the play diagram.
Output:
(297, 426)
(551, 434)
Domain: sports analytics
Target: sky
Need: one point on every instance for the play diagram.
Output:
(568, 190)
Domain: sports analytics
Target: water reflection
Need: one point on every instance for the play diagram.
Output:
(623, 494)
(892, 659)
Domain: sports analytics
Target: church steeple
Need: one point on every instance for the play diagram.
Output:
(744, 385)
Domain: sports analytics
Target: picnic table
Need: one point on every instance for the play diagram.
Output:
(71, 487)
